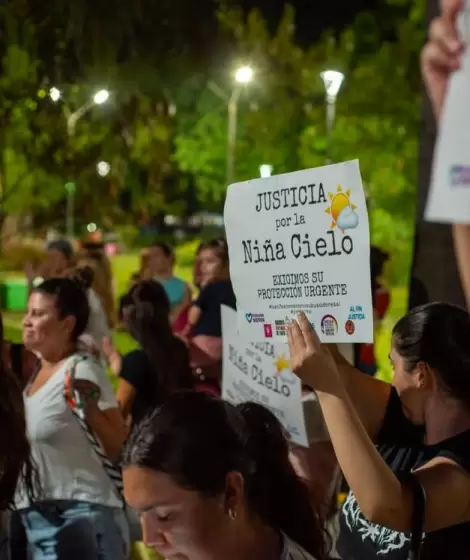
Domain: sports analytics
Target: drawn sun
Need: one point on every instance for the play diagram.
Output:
(281, 363)
(339, 201)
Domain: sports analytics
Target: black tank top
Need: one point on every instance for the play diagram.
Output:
(401, 445)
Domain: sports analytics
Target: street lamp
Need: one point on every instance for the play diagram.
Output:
(55, 94)
(73, 117)
(332, 80)
(101, 97)
(243, 76)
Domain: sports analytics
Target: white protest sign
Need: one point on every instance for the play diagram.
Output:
(449, 193)
(260, 373)
(300, 242)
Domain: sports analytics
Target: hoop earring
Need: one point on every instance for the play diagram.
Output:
(232, 514)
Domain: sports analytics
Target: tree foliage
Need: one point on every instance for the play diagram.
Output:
(282, 117)
(141, 51)
(166, 120)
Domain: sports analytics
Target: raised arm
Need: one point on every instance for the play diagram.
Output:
(440, 57)
(368, 395)
(382, 497)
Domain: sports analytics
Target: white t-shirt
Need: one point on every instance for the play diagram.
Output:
(68, 466)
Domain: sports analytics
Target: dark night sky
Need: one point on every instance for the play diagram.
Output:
(313, 16)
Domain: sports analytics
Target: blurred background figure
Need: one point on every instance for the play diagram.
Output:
(204, 329)
(93, 255)
(98, 323)
(365, 357)
(60, 258)
(160, 264)
(160, 366)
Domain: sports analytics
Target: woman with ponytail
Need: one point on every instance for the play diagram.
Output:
(160, 366)
(213, 481)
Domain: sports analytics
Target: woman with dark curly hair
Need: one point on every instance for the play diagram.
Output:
(76, 433)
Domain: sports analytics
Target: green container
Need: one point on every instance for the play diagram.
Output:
(14, 294)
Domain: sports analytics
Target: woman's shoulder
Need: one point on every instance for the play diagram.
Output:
(456, 448)
(396, 428)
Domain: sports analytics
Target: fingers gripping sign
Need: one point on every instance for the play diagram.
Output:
(442, 53)
(310, 360)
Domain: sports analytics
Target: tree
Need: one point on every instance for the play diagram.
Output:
(377, 111)
(23, 139)
(134, 132)
(270, 111)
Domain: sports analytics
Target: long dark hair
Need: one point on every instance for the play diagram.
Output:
(198, 439)
(146, 310)
(16, 463)
(438, 335)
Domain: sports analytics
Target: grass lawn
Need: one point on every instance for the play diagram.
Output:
(125, 265)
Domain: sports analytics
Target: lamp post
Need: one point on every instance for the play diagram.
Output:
(243, 76)
(332, 79)
(73, 117)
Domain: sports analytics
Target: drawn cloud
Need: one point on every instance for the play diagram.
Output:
(347, 219)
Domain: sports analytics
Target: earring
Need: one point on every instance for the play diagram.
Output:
(232, 514)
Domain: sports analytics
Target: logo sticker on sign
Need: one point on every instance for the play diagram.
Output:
(329, 325)
(268, 331)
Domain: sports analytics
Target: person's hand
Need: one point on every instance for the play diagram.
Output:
(442, 53)
(309, 359)
(88, 392)
(113, 356)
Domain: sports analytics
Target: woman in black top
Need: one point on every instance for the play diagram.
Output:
(204, 320)
(161, 365)
(382, 433)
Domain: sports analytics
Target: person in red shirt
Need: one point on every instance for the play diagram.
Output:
(365, 353)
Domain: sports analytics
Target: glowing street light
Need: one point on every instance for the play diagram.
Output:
(265, 171)
(332, 80)
(54, 94)
(103, 168)
(101, 97)
(244, 75)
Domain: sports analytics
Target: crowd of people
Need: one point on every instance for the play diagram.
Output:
(87, 469)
